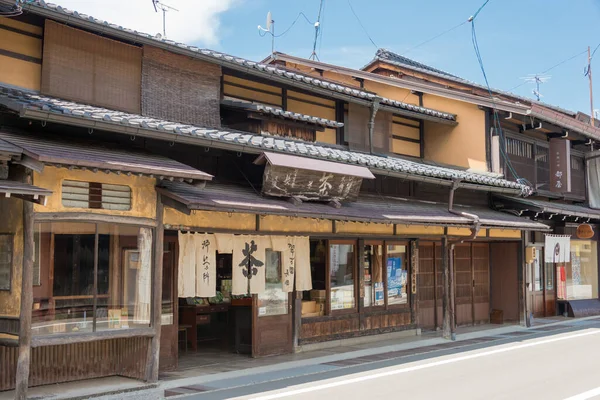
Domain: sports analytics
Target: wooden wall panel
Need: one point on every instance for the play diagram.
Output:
(88, 68)
(78, 361)
(504, 265)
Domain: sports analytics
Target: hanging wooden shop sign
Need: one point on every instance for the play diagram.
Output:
(311, 179)
(585, 231)
(560, 165)
(309, 185)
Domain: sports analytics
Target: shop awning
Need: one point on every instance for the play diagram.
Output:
(23, 191)
(49, 150)
(374, 209)
(9, 150)
(546, 209)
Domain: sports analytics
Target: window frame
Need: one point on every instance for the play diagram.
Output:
(383, 272)
(353, 310)
(95, 296)
(407, 305)
(12, 261)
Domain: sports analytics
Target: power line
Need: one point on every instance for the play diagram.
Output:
(435, 37)
(361, 25)
(551, 68)
(300, 14)
(497, 125)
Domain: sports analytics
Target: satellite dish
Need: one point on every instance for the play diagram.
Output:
(269, 21)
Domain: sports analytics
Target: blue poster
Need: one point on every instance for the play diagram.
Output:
(395, 276)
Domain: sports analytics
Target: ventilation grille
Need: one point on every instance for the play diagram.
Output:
(96, 195)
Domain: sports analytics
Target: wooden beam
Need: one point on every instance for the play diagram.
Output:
(176, 205)
(156, 310)
(91, 217)
(24, 358)
(63, 339)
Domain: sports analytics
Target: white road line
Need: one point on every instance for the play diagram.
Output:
(363, 378)
(586, 395)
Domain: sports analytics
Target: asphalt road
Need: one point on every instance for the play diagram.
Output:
(557, 365)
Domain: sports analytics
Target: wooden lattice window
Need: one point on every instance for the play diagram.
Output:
(96, 195)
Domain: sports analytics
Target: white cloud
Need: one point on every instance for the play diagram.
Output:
(195, 22)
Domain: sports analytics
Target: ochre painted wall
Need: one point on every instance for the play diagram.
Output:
(210, 220)
(11, 211)
(25, 73)
(462, 145)
(274, 223)
(143, 194)
(368, 228)
(419, 230)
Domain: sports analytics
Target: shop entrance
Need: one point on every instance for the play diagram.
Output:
(542, 290)
(226, 327)
(472, 283)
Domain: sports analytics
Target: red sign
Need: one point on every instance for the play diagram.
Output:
(560, 165)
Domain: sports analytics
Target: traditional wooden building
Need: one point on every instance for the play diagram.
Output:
(184, 194)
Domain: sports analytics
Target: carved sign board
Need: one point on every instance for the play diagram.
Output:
(311, 179)
(585, 231)
(309, 185)
(560, 165)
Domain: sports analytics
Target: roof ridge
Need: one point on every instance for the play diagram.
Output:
(400, 60)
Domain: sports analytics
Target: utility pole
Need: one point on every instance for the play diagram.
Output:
(589, 74)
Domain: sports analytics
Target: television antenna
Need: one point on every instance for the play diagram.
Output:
(270, 29)
(536, 79)
(164, 8)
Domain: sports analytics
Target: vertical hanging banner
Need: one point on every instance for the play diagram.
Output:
(206, 268)
(287, 246)
(560, 165)
(186, 285)
(248, 263)
(557, 249)
(141, 312)
(303, 278)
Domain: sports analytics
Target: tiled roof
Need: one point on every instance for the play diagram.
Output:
(9, 148)
(278, 112)
(392, 58)
(52, 150)
(30, 104)
(75, 18)
(368, 208)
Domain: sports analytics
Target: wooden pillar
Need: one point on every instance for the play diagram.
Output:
(22, 375)
(446, 289)
(156, 309)
(525, 303)
(296, 317)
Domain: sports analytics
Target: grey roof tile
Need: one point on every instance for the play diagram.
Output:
(16, 99)
(36, 5)
(367, 208)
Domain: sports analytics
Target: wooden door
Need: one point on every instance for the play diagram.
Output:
(430, 289)
(169, 334)
(481, 282)
(538, 284)
(463, 284)
(272, 313)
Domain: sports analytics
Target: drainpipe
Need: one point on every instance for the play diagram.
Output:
(374, 109)
(449, 325)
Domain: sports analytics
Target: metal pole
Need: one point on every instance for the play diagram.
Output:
(164, 23)
(591, 87)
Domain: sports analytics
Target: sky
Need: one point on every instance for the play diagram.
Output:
(517, 38)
